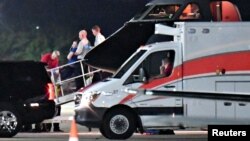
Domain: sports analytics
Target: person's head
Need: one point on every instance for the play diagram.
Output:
(74, 44)
(82, 34)
(194, 8)
(55, 54)
(165, 61)
(95, 30)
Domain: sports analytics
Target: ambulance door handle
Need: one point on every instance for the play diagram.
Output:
(227, 103)
(205, 31)
(169, 87)
(242, 104)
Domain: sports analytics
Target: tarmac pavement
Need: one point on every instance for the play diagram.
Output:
(85, 135)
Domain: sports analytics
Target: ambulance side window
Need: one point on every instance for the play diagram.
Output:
(224, 11)
(151, 67)
(191, 12)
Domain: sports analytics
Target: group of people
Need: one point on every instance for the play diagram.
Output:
(77, 52)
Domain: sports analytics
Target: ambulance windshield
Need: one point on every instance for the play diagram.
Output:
(124, 68)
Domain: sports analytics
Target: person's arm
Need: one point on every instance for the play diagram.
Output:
(168, 70)
(101, 39)
(162, 69)
(70, 55)
(54, 64)
(57, 63)
(161, 75)
(79, 49)
(164, 72)
(97, 41)
(44, 58)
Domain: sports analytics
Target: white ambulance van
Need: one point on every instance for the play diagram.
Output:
(203, 58)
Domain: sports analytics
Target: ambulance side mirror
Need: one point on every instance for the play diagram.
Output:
(142, 75)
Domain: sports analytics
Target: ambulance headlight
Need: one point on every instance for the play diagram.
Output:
(131, 91)
(77, 99)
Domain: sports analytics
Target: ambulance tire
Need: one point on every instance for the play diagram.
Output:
(101, 129)
(119, 123)
(11, 122)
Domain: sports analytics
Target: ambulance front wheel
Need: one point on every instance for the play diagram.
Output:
(118, 123)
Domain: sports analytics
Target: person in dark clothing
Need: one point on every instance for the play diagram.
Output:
(71, 56)
(77, 72)
(46, 127)
(68, 71)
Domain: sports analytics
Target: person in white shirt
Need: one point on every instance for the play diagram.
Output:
(83, 46)
(99, 38)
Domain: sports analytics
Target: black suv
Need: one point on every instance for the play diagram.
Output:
(25, 92)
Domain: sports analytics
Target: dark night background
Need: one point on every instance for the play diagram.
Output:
(29, 28)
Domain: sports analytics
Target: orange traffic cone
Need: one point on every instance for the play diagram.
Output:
(73, 135)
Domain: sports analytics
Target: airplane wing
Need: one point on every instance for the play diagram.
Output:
(113, 52)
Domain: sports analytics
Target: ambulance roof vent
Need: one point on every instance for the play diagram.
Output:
(167, 30)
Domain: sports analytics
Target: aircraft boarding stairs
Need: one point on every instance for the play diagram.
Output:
(64, 89)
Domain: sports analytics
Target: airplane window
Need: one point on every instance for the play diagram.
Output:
(192, 11)
(162, 12)
(138, 15)
(224, 11)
